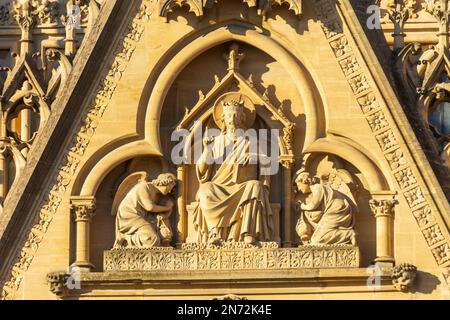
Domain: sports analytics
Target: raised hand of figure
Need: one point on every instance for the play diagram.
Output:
(207, 141)
(170, 204)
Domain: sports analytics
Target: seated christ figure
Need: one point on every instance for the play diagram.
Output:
(233, 201)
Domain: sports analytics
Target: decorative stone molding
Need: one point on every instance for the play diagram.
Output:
(267, 5)
(446, 275)
(404, 276)
(164, 259)
(391, 144)
(22, 11)
(399, 12)
(58, 283)
(197, 6)
(83, 208)
(228, 245)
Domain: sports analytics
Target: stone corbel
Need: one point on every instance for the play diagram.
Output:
(403, 277)
(22, 11)
(57, 282)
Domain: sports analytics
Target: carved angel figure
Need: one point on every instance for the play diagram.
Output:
(143, 211)
(327, 215)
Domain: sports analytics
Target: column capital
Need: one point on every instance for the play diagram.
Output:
(383, 207)
(287, 161)
(83, 208)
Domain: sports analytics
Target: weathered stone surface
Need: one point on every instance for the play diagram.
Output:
(159, 259)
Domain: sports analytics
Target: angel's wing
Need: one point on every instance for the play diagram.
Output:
(340, 180)
(125, 187)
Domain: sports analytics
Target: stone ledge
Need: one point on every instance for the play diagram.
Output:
(207, 284)
(304, 257)
(298, 275)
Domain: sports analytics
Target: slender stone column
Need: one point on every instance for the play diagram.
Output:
(83, 209)
(181, 203)
(287, 204)
(383, 210)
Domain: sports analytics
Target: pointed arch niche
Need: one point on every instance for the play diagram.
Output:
(235, 66)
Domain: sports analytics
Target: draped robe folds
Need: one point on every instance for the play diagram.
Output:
(134, 223)
(331, 216)
(231, 198)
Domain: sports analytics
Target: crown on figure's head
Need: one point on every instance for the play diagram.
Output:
(233, 105)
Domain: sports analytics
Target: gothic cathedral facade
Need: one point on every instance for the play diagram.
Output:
(225, 149)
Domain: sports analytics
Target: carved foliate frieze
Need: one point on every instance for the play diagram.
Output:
(442, 253)
(396, 159)
(338, 256)
(405, 178)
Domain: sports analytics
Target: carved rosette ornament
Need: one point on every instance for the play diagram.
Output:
(403, 277)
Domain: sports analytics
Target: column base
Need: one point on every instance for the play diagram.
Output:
(84, 266)
(384, 262)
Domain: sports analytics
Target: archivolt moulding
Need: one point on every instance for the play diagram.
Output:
(235, 31)
(88, 183)
(375, 179)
